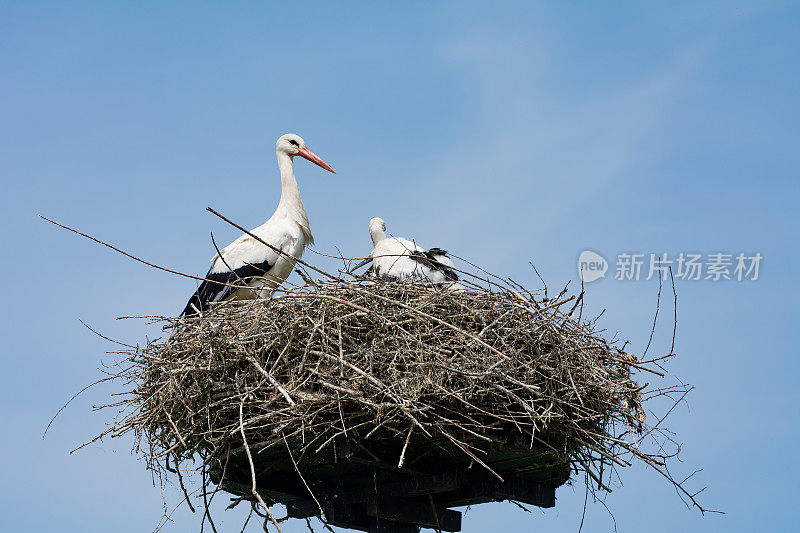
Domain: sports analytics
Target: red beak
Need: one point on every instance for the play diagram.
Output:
(314, 158)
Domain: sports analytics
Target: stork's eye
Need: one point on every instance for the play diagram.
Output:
(294, 143)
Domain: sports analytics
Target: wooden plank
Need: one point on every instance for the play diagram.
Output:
(345, 483)
(379, 525)
(531, 493)
(275, 456)
(302, 509)
(419, 514)
(482, 489)
(347, 516)
(408, 488)
(411, 487)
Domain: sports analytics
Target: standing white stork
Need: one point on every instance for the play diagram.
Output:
(401, 259)
(258, 269)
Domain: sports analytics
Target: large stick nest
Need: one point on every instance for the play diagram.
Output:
(386, 358)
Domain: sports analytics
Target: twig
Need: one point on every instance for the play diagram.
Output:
(253, 488)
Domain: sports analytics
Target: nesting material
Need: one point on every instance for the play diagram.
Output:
(384, 359)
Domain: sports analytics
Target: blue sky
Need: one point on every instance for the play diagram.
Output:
(512, 133)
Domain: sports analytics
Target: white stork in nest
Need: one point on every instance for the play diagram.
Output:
(401, 259)
(253, 269)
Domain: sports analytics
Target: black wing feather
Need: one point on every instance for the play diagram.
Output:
(217, 286)
(429, 258)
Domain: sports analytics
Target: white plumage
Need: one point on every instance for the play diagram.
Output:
(401, 259)
(251, 265)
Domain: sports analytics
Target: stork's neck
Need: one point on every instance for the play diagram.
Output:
(290, 192)
(377, 235)
(291, 204)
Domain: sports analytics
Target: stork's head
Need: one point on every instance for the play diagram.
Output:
(292, 145)
(377, 230)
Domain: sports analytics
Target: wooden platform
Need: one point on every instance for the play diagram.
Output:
(360, 486)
